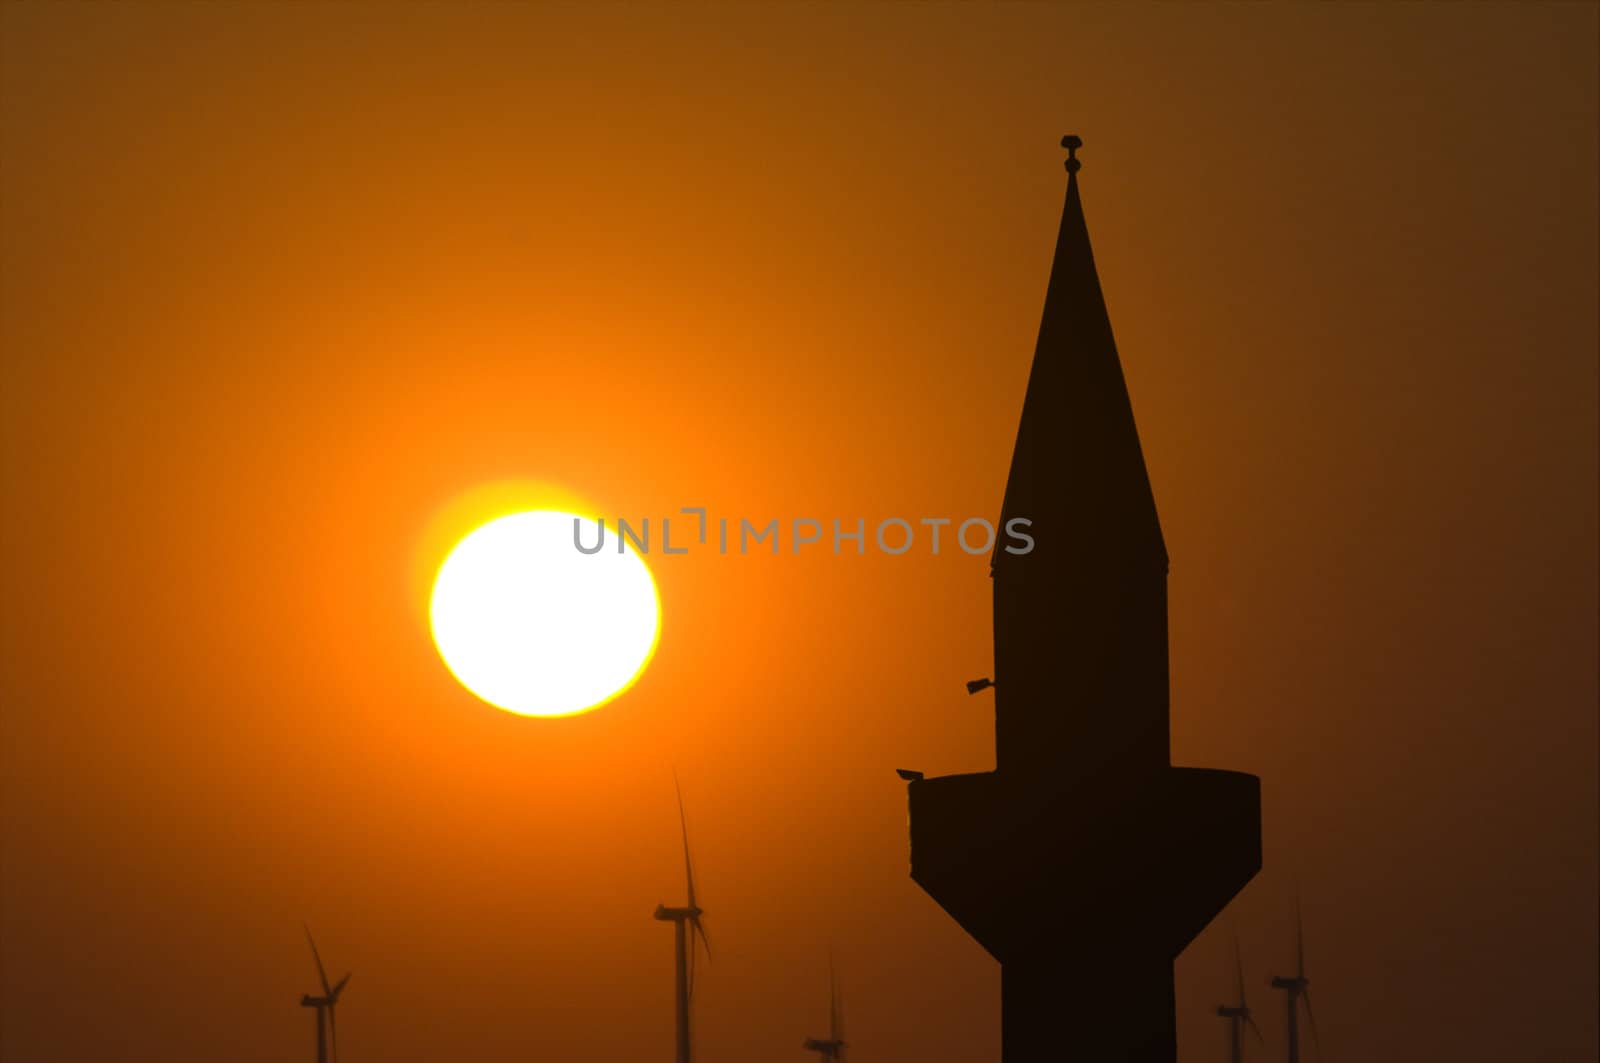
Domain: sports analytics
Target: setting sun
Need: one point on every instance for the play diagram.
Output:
(531, 625)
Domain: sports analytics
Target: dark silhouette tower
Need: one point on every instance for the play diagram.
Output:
(1085, 862)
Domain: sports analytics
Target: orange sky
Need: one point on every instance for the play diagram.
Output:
(283, 283)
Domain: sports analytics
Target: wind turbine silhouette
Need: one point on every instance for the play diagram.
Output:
(832, 1049)
(686, 931)
(1296, 989)
(1238, 1015)
(327, 1028)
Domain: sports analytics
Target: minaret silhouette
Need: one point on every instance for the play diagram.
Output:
(1084, 862)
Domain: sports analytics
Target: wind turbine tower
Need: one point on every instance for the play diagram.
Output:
(687, 931)
(831, 1049)
(1297, 990)
(327, 1027)
(1238, 1015)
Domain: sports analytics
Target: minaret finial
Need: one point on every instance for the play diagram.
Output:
(1072, 144)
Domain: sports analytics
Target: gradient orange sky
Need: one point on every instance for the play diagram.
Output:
(283, 284)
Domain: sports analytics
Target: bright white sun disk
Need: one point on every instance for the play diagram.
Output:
(530, 624)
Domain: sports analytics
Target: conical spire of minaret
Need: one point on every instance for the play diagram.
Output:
(1080, 620)
(1077, 471)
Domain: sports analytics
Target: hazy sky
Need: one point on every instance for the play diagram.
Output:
(285, 285)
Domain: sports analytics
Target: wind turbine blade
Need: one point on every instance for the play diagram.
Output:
(683, 821)
(1251, 1022)
(838, 1033)
(700, 933)
(338, 987)
(833, 1003)
(326, 989)
(333, 1033)
(1311, 1020)
(1299, 938)
(1238, 967)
